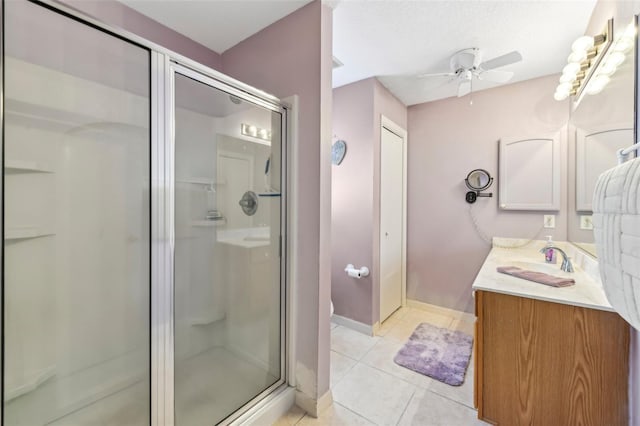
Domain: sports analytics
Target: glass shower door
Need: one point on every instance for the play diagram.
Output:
(228, 295)
(76, 223)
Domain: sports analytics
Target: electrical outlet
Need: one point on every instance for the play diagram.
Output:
(586, 222)
(549, 221)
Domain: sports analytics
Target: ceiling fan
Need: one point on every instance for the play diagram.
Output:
(466, 65)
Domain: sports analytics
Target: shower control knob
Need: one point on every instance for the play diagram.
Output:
(249, 203)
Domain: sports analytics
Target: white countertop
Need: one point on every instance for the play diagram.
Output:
(587, 291)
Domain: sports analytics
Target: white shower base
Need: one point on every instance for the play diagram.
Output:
(203, 393)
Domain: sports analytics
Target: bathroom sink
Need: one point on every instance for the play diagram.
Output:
(547, 268)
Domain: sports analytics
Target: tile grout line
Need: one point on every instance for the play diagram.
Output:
(406, 406)
(343, 354)
(451, 399)
(356, 413)
(343, 375)
(304, 414)
(390, 374)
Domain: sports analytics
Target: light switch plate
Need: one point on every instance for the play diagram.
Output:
(586, 222)
(549, 221)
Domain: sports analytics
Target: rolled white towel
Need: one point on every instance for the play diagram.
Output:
(616, 226)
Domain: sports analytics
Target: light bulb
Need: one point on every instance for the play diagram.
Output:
(597, 84)
(577, 57)
(560, 96)
(582, 44)
(564, 88)
(615, 59)
(630, 32)
(607, 68)
(571, 69)
(623, 45)
(567, 78)
(562, 91)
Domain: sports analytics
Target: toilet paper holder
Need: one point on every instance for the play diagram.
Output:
(356, 273)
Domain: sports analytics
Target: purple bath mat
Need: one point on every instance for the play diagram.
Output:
(436, 352)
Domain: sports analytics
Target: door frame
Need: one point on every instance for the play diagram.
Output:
(393, 127)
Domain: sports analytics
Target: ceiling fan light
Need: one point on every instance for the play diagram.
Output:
(582, 44)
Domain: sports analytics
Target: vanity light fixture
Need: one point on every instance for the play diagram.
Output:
(586, 53)
(592, 62)
(255, 132)
(611, 60)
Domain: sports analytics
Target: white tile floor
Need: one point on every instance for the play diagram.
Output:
(370, 389)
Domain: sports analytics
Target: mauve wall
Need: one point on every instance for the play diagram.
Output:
(118, 15)
(357, 109)
(448, 139)
(293, 56)
(352, 200)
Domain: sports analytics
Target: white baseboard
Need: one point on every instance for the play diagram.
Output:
(311, 406)
(270, 410)
(353, 324)
(465, 316)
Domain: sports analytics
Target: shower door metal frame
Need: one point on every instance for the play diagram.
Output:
(164, 64)
(2, 27)
(210, 79)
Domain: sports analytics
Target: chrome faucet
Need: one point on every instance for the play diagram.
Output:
(566, 266)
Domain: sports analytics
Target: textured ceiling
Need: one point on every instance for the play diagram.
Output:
(398, 39)
(216, 24)
(395, 40)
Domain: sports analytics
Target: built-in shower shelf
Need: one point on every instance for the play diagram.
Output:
(30, 383)
(19, 166)
(201, 181)
(27, 232)
(208, 223)
(206, 320)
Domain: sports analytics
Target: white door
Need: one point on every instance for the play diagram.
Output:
(391, 218)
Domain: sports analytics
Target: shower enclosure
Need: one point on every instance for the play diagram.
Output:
(143, 219)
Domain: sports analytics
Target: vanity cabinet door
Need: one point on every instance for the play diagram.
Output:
(543, 363)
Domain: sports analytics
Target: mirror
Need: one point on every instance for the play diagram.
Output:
(478, 180)
(598, 126)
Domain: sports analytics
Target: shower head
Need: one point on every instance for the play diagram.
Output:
(236, 100)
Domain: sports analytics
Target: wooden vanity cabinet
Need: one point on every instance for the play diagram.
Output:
(549, 364)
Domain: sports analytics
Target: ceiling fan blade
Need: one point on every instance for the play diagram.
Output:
(438, 74)
(477, 60)
(501, 61)
(464, 88)
(496, 76)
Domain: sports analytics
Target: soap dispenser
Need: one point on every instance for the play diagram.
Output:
(549, 252)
